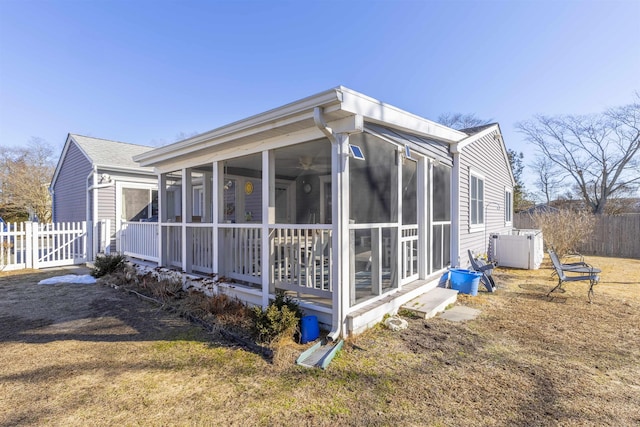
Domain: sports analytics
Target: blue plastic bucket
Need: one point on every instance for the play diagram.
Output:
(465, 281)
(309, 329)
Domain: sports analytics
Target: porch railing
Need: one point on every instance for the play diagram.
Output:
(409, 246)
(173, 245)
(300, 256)
(302, 259)
(140, 240)
(201, 247)
(240, 253)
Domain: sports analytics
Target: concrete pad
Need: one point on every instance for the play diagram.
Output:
(432, 302)
(460, 313)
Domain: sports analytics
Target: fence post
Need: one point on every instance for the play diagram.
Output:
(28, 244)
(33, 232)
(83, 241)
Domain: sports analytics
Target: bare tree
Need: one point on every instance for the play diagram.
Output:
(461, 120)
(598, 152)
(25, 174)
(548, 179)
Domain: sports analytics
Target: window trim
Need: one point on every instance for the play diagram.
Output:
(508, 206)
(480, 226)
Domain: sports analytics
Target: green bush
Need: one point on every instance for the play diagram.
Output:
(108, 264)
(280, 318)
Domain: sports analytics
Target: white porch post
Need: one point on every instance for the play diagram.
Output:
(424, 220)
(340, 192)
(399, 220)
(268, 217)
(162, 193)
(95, 215)
(186, 199)
(455, 207)
(216, 198)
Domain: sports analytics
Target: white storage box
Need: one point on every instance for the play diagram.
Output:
(520, 249)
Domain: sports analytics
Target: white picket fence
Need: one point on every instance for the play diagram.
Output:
(35, 245)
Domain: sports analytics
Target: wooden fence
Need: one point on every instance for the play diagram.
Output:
(614, 236)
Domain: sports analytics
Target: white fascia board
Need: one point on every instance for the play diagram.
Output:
(232, 150)
(63, 155)
(353, 123)
(506, 155)
(338, 100)
(477, 136)
(290, 113)
(56, 172)
(138, 171)
(388, 115)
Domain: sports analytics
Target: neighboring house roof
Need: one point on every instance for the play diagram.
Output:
(540, 209)
(106, 154)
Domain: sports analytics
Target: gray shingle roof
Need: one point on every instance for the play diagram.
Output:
(113, 154)
(476, 129)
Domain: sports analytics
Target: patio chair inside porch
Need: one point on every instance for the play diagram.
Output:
(315, 262)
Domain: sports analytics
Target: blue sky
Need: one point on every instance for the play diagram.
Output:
(146, 72)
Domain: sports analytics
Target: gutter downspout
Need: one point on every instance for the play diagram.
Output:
(318, 119)
(336, 318)
(90, 188)
(52, 195)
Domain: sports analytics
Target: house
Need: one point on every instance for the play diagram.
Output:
(485, 190)
(97, 181)
(350, 204)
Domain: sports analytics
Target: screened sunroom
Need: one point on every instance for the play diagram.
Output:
(270, 214)
(340, 214)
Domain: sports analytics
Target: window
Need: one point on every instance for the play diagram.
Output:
(441, 193)
(476, 208)
(508, 199)
(139, 204)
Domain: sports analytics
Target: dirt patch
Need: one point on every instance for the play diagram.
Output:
(85, 354)
(33, 313)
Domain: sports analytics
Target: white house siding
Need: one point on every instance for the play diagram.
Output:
(488, 158)
(69, 193)
(107, 210)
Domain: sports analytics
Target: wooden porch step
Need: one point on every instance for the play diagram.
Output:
(432, 302)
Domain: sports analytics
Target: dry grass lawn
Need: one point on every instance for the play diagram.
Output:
(91, 355)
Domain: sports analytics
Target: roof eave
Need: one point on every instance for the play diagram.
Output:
(339, 99)
(477, 136)
(250, 125)
(136, 170)
(379, 112)
(67, 143)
